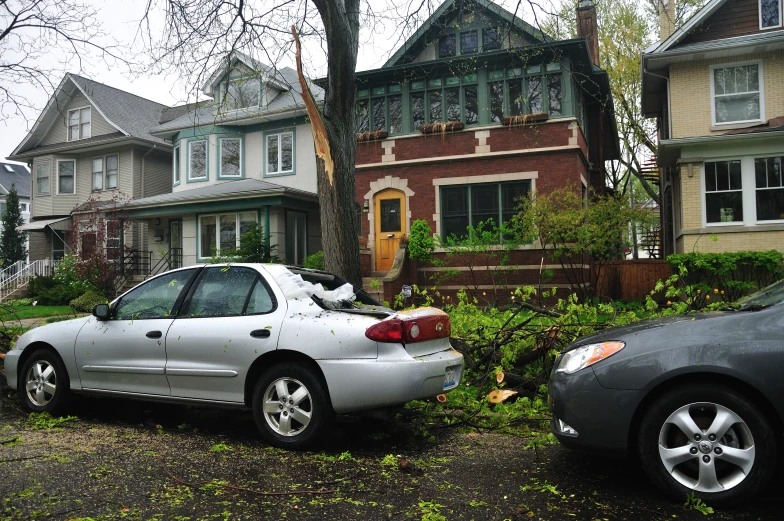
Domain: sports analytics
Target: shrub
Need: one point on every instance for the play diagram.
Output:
(60, 295)
(421, 243)
(19, 302)
(728, 276)
(315, 261)
(39, 284)
(87, 301)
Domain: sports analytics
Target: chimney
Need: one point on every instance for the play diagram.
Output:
(666, 19)
(588, 29)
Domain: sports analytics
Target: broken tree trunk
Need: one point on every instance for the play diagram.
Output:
(336, 140)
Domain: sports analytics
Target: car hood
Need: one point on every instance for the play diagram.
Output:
(650, 326)
(53, 333)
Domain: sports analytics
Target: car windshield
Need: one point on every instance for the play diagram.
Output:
(764, 298)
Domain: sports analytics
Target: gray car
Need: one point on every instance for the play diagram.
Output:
(698, 399)
(296, 346)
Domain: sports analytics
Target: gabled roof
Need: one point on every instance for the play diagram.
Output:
(19, 178)
(443, 11)
(695, 21)
(131, 115)
(269, 74)
(287, 104)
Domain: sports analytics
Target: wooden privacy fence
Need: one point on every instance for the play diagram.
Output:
(628, 280)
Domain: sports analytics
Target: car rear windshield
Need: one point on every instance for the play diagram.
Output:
(330, 291)
(764, 298)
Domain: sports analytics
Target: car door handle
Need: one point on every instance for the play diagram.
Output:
(154, 334)
(260, 333)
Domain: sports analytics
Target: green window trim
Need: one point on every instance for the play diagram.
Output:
(217, 216)
(241, 139)
(386, 106)
(189, 144)
(176, 165)
(469, 212)
(484, 36)
(265, 153)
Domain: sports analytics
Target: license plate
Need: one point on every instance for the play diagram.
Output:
(450, 377)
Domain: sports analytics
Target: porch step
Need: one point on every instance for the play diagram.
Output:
(377, 294)
(20, 292)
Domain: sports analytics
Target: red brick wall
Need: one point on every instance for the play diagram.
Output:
(464, 142)
(554, 169)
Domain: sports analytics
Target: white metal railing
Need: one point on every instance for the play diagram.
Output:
(19, 278)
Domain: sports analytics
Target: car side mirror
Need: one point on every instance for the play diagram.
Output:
(101, 312)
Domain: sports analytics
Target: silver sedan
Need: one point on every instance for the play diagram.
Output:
(296, 346)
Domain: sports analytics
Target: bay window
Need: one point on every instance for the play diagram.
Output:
(197, 160)
(220, 234)
(66, 170)
(280, 153)
(79, 123)
(230, 157)
(737, 93)
(42, 178)
(176, 165)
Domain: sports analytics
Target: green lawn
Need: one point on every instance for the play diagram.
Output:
(36, 312)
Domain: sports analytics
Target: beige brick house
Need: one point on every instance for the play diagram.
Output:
(716, 88)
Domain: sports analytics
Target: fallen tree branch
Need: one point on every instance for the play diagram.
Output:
(243, 489)
(9, 440)
(21, 459)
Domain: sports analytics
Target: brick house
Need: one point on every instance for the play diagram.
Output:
(524, 114)
(716, 88)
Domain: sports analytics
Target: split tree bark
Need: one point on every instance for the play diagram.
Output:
(335, 137)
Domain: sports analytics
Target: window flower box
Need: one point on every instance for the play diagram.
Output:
(525, 119)
(440, 128)
(375, 135)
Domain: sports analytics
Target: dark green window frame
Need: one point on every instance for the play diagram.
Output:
(484, 35)
(443, 90)
(380, 108)
(517, 85)
(478, 207)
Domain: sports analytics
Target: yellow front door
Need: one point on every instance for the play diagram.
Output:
(390, 211)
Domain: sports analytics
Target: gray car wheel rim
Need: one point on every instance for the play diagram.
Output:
(288, 406)
(41, 383)
(706, 447)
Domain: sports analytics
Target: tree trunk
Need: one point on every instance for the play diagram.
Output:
(336, 155)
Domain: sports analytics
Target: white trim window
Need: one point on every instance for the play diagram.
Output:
(723, 192)
(230, 157)
(737, 93)
(769, 181)
(176, 165)
(219, 234)
(66, 174)
(79, 123)
(42, 178)
(105, 167)
(280, 153)
(770, 14)
(197, 159)
(112, 171)
(98, 173)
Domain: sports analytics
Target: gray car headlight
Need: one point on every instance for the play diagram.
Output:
(585, 356)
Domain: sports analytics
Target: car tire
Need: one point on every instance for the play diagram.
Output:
(291, 406)
(44, 384)
(722, 468)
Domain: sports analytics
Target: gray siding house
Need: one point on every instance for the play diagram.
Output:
(90, 143)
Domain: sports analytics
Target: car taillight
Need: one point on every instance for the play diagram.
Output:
(415, 327)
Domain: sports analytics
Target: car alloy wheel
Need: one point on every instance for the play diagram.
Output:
(707, 439)
(706, 447)
(288, 406)
(291, 405)
(41, 383)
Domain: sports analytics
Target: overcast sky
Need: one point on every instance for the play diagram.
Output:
(120, 19)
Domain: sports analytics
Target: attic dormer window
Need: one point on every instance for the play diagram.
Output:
(491, 40)
(79, 123)
(469, 42)
(241, 92)
(770, 13)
